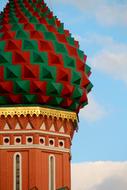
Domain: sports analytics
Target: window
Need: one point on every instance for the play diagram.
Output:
(52, 172)
(17, 140)
(6, 140)
(29, 140)
(51, 142)
(17, 171)
(41, 140)
(61, 143)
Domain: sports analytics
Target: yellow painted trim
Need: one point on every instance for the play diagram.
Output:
(11, 111)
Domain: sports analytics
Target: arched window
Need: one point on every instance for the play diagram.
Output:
(17, 171)
(52, 172)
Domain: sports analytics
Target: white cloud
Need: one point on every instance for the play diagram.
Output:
(95, 39)
(84, 5)
(112, 14)
(106, 13)
(109, 56)
(99, 176)
(113, 61)
(93, 111)
(81, 4)
(114, 182)
(95, 42)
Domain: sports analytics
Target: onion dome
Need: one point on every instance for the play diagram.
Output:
(40, 62)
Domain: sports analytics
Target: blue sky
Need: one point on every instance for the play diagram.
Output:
(101, 28)
(99, 148)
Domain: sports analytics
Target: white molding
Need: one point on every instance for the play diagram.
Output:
(34, 146)
(54, 172)
(34, 131)
(14, 170)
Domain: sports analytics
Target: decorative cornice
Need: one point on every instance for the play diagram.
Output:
(12, 111)
(34, 146)
(33, 132)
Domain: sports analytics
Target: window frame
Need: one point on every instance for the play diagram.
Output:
(15, 172)
(52, 172)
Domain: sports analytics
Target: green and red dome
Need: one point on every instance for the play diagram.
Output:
(40, 63)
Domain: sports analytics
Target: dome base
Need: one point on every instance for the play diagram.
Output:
(11, 111)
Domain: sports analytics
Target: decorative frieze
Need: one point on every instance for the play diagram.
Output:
(18, 111)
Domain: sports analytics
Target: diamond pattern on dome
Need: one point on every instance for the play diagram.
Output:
(40, 62)
(12, 72)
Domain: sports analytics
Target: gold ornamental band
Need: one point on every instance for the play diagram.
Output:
(18, 111)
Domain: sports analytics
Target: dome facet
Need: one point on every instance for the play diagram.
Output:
(40, 62)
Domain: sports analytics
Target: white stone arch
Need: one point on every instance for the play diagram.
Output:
(52, 172)
(15, 165)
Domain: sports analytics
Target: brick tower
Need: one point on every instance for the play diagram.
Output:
(43, 85)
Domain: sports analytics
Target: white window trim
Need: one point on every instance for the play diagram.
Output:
(14, 170)
(20, 140)
(53, 142)
(62, 142)
(43, 140)
(27, 140)
(54, 172)
(6, 138)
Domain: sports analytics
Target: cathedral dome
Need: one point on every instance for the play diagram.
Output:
(40, 62)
